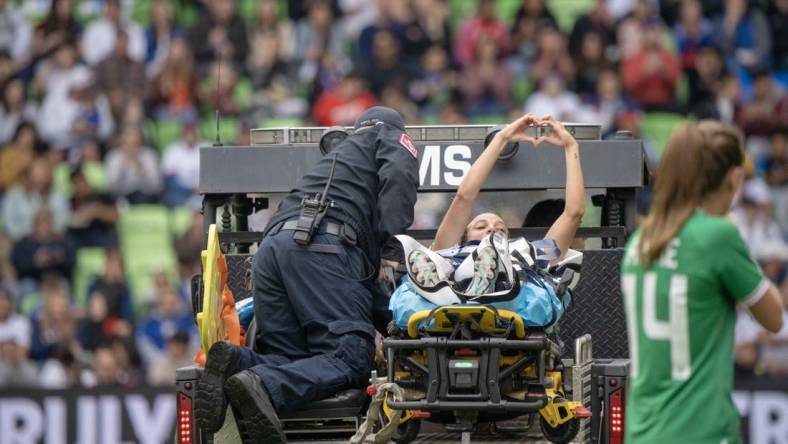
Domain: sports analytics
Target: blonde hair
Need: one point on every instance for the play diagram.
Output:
(696, 160)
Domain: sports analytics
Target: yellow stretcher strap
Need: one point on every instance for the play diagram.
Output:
(444, 319)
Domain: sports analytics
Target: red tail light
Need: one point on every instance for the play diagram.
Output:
(185, 433)
(617, 417)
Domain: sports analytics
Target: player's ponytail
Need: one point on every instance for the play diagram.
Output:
(696, 159)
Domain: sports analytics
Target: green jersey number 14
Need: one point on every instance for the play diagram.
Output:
(675, 329)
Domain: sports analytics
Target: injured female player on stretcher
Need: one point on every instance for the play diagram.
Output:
(472, 260)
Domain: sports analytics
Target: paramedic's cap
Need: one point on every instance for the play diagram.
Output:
(380, 114)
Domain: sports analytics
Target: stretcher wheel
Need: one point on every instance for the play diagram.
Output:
(562, 434)
(407, 432)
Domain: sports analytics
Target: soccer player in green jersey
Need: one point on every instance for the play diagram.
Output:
(684, 273)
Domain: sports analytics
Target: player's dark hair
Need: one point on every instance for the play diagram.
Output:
(695, 163)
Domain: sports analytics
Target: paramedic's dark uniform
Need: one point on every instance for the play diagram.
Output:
(314, 304)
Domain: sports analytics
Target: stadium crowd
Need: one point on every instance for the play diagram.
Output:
(104, 103)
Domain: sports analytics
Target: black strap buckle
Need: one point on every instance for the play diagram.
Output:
(347, 235)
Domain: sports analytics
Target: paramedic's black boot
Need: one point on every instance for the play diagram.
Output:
(210, 404)
(254, 413)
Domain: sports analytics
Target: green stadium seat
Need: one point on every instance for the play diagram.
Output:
(229, 127)
(61, 178)
(140, 12)
(167, 132)
(282, 122)
(186, 15)
(657, 127)
(567, 12)
(146, 242)
(489, 120)
(96, 175)
(247, 9)
(90, 264)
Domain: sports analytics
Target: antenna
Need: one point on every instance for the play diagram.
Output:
(218, 141)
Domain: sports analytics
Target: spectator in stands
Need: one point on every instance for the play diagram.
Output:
(597, 20)
(15, 109)
(394, 97)
(552, 56)
(58, 28)
(432, 19)
(98, 40)
(114, 299)
(158, 36)
(435, 81)
(7, 272)
(742, 32)
(703, 76)
(43, 251)
(315, 38)
(12, 324)
(105, 367)
(631, 31)
(767, 109)
(692, 33)
(486, 83)
(119, 77)
(187, 248)
(650, 75)
(56, 78)
(65, 369)
(591, 62)
(267, 63)
(22, 202)
(170, 316)
(93, 118)
(342, 105)
(606, 104)
(395, 18)
(778, 23)
(753, 218)
(7, 68)
(386, 65)
(93, 214)
(128, 360)
(16, 157)
(173, 91)
(181, 168)
(552, 99)
(176, 355)
(54, 322)
(483, 25)
(15, 34)
(268, 20)
(775, 170)
(133, 170)
(220, 34)
(218, 91)
(16, 370)
(723, 105)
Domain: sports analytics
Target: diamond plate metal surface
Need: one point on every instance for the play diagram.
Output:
(598, 307)
(238, 265)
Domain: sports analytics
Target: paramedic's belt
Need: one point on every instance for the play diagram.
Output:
(342, 231)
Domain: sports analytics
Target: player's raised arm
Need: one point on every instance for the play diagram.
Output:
(458, 215)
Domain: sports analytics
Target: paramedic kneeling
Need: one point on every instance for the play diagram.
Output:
(314, 278)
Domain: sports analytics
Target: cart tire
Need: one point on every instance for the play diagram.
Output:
(562, 434)
(407, 432)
